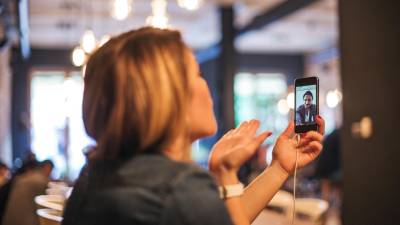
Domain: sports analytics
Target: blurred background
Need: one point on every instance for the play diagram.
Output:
(250, 52)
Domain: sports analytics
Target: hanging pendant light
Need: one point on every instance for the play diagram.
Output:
(159, 17)
(191, 5)
(88, 41)
(121, 9)
(78, 56)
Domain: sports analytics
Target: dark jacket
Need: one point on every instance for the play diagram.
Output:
(301, 112)
(147, 189)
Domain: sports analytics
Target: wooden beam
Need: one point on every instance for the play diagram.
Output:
(271, 15)
(227, 68)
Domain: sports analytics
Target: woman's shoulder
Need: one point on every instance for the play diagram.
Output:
(146, 171)
(149, 186)
(149, 180)
(162, 169)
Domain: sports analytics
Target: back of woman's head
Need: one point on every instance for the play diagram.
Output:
(135, 93)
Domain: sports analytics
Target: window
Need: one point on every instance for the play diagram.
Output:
(57, 128)
(256, 96)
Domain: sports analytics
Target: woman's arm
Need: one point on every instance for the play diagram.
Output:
(259, 192)
(264, 187)
(231, 151)
(234, 205)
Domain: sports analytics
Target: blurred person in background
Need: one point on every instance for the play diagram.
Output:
(144, 104)
(4, 174)
(28, 163)
(46, 167)
(328, 168)
(20, 208)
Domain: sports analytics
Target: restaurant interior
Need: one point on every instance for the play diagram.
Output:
(250, 52)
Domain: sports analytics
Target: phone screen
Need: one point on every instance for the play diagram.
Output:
(306, 105)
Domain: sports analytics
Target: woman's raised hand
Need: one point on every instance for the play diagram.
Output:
(309, 147)
(234, 149)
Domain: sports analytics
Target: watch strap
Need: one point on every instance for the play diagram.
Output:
(232, 190)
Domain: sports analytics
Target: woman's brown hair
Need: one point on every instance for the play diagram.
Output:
(136, 93)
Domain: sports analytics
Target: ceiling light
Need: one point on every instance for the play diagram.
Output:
(78, 56)
(190, 4)
(159, 17)
(121, 9)
(158, 21)
(283, 107)
(88, 41)
(333, 98)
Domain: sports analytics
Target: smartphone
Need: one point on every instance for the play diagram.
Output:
(306, 104)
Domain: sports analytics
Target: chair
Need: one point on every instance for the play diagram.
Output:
(281, 202)
(55, 202)
(49, 216)
(63, 191)
(311, 209)
(54, 191)
(55, 184)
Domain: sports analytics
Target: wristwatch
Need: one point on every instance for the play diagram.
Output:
(229, 191)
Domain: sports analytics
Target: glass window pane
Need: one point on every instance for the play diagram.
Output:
(256, 96)
(56, 113)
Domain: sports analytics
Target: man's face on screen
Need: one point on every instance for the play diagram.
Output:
(307, 101)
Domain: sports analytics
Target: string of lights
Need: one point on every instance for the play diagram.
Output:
(120, 10)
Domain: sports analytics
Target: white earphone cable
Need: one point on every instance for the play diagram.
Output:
(294, 181)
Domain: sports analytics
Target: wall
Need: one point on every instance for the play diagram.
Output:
(5, 103)
(370, 49)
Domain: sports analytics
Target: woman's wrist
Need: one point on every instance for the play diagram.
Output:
(224, 176)
(279, 170)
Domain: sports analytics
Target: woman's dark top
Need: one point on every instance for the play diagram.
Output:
(147, 189)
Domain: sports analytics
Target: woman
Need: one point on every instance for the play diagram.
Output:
(144, 104)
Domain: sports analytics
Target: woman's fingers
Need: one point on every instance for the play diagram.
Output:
(242, 126)
(313, 148)
(321, 124)
(253, 127)
(255, 144)
(241, 155)
(227, 134)
(309, 153)
(310, 136)
(247, 131)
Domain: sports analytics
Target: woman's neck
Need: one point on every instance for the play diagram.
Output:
(179, 150)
